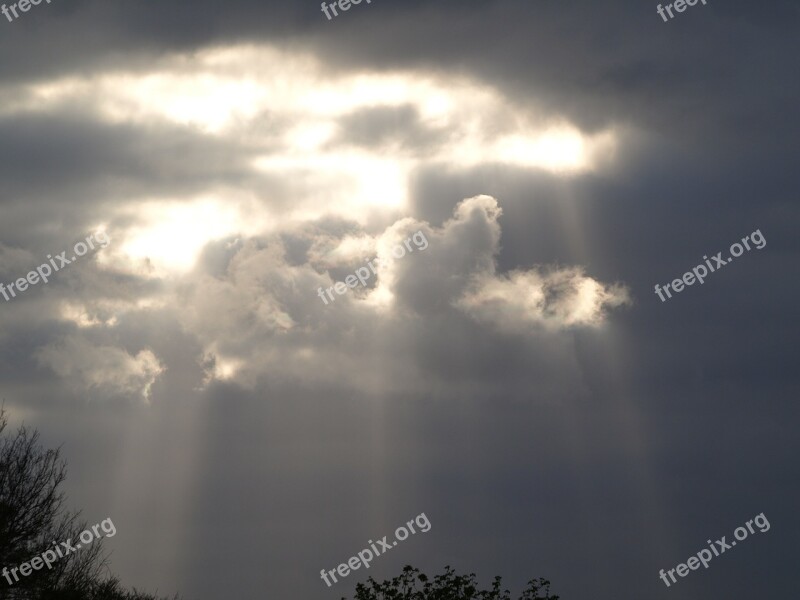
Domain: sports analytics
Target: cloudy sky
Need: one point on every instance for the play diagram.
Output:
(516, 379)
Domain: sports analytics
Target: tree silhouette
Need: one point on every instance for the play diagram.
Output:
(33, 518)
(414, 585)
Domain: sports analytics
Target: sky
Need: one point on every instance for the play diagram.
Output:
(510, 372)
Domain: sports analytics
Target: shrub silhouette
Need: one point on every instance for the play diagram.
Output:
(33, 516)
(414, 585)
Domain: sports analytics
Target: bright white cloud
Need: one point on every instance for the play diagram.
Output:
(167, 236)
(286, 109)
(553, 299)
(107, 369)
(290, 123)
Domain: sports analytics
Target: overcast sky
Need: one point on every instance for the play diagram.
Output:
(517, 379)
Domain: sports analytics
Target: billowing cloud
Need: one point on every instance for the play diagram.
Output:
(106, 369)
(260, 316)
(556, 298)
